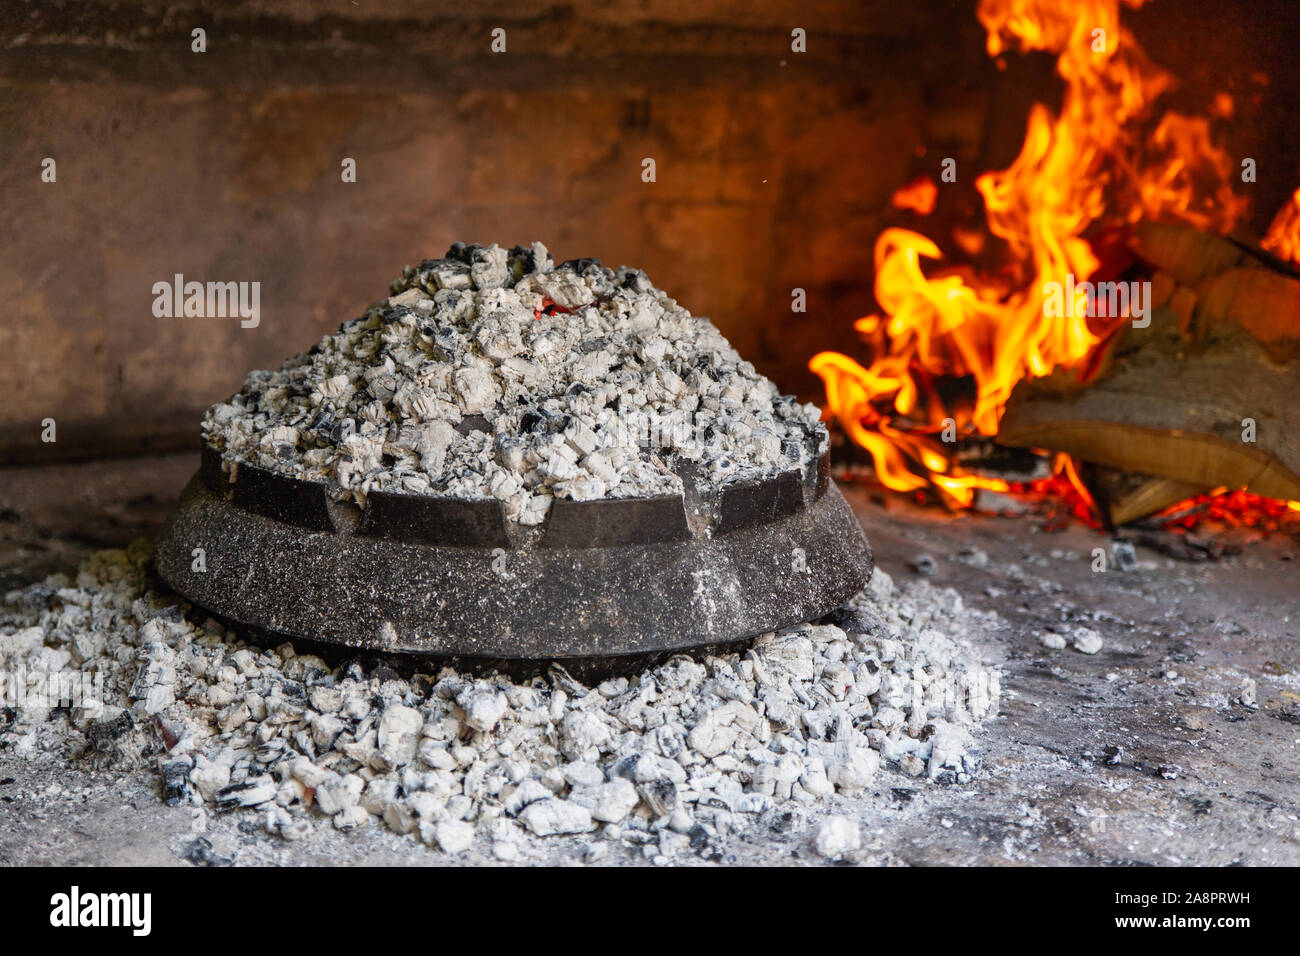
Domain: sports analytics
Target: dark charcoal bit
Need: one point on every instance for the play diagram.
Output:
(199, 852)
(473, 423)
(856, 620)
(520, 261)
(1124, 555)
(343, 430)
(447, 340)
(703, 843)
(460, 252)
(791, 449)
(36, 597)
(422, 684)
(659, 795)
(102, 734)
(504, 444)
(924, 565)
(172, 614)
(633, 279)
(323, 424)
(293, 691)
(531, 422)
(562, 679)
(577, 388)
(787, 821)
(235, 796)
(625, 767)
(579, 265)
(383, 672)
(353, 670)
(176, 782)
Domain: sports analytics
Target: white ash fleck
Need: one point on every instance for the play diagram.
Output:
(671, 761)
(838, 837)
(1249, 695)
(1086, 640)
(498, 375)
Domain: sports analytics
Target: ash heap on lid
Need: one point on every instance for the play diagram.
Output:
(495, 374)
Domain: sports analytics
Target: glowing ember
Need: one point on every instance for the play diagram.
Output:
(920, 195)
(1236, 508)
(1099, 163)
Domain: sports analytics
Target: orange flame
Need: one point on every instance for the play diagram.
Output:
(1090, 164)
(1283, 236)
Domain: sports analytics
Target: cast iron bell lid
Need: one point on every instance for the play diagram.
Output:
(453, 577)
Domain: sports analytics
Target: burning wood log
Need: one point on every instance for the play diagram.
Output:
(1204, 397)
(1125, 496)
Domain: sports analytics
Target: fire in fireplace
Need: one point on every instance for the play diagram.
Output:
(955, 338)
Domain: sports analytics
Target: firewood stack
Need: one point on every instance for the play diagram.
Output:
(1207, 396)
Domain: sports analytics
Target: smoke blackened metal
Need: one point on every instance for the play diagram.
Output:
(450, 577)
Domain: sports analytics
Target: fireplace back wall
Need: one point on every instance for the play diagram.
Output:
(773, 169)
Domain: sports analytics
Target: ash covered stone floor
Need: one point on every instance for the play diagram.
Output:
(1142, 753)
